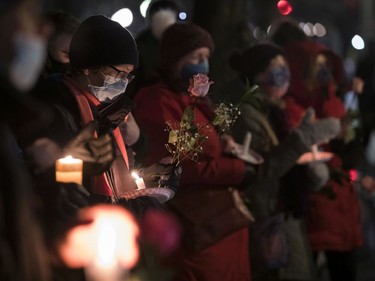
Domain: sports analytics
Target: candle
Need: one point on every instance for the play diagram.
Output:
(107, 247)
(315, 151)
(138, 181)
(246, 143)
(69, 169)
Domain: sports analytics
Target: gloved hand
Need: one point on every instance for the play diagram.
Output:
(71, 198)
(317, 175)
(320, 131)
(96, 153)
(162, 174)
(130, 130)
(113, 114)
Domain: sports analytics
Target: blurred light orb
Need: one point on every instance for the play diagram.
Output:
(308, 29)
(358, 43)
(123, 16)
(319, 30)
(284, 7)
(143, 7)
(182, 16)
(259, 34)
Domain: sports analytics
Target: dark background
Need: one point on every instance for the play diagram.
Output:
(232, 23)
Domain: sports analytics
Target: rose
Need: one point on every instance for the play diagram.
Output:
(199, 85)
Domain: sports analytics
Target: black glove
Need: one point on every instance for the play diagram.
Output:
(96, 153)
(320, 131)
(163, 175)
(111, 115)
(249, 177)
(71, 198)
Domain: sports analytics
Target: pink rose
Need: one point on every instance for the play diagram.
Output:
(199, 85)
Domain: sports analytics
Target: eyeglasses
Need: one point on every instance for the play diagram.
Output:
(122, 74)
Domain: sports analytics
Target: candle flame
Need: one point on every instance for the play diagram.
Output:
(135, 175)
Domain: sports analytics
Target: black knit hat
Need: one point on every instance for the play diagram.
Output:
(179, 39)
(254, 59)
(99, 41)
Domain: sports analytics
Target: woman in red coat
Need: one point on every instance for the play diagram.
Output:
(334, 221)
(185, 50)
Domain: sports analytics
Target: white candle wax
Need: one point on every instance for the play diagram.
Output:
(138, 181)
(246, 143)
(69, 169)
(315, 151)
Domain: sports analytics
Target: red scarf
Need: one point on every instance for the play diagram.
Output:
(99, 184)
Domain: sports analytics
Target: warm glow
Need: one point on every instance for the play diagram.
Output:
(68, 170)
(108, 239)
(123, 17)
(135, 175)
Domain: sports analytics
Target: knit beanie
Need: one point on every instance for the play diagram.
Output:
(99, 41)
(180, 39)
(254, 60)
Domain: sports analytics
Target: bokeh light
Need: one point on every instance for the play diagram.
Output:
(123, 16)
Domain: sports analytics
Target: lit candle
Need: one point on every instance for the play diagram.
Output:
(69, 169)
(107, 247)
(246, 143)
(138, 181)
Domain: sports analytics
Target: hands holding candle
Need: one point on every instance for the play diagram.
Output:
(138, 181)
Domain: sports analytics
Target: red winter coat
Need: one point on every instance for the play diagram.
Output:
(157, 104)
(334, 223)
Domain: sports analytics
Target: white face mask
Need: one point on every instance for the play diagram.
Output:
(30, 55)
(110, 89)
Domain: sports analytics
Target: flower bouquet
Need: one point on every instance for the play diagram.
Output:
(185, 137)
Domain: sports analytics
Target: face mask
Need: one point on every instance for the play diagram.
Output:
(110, 89)
(30, 54)
(278, 77)
(189, 70)
(57, 67)
(323, 75)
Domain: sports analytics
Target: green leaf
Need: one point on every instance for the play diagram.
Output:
(251, 95)
(188, 115)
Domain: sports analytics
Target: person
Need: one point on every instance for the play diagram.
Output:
(264, 64)
(23, 257)
(160, 14)
(317, 81)
(90, 102)
(185, 52)
(64, 25)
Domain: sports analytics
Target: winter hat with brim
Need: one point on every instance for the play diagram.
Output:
(254, 60)
(180, 39)
(99, 41)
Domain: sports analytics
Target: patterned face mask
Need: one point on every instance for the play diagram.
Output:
(278, 76)
(111, 89)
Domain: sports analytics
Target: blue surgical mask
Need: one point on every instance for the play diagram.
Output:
(278, 76)
(30, 55)
(110, 89)
(323, 75)
(189, 70)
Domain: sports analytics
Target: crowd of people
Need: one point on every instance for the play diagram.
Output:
(263, 198)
